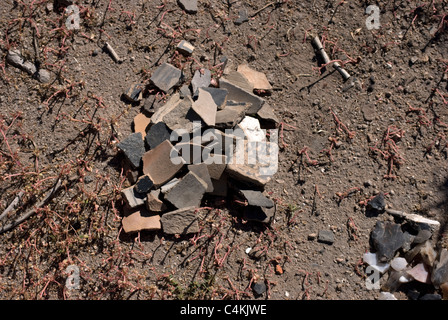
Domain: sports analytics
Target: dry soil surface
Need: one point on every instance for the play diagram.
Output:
(332, 148)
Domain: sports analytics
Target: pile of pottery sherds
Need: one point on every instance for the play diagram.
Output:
(182, 152)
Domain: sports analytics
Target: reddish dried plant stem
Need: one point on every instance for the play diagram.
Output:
(350, 134)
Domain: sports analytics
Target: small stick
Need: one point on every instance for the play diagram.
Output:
(395, 212)
(36, 47)
(345, 75)
(12, 205)
(113, 53)
(18, 221)
(318, 46)
(259, 10)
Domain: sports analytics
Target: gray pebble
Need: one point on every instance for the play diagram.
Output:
(29, 68)
(43, 76)
(14, 58)
(259, 288)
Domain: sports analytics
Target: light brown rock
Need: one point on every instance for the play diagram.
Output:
(257, 79)
(153, 203)
(239, 80)
(166, 108)
(141, 123)
(444, 288)
(141, 220)
(205, 107)
(158, 165)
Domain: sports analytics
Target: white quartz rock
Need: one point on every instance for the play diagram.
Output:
(372, 260)
(386, 296)
(251, 129)
(398, 263)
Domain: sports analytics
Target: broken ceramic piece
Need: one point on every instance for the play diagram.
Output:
(440, 270)
(141, 124)
(133, 148)
(229, 117)
(201, 79)
(143, 184)
(417, 220)
(260, 214)
(378, 203)
(153, 203)
(134, 93)
(205, 107)
(187, 192)
(170, 184)
(386, 296)
(267, 114)
(182, 221)
(166, 76)
(132, 198)
(387, 238)
(420, 273)
(219, 95)
(141, 220)
(257, 198)
(238, 94)
(185, 47)
(190, 6)
(158, 164)
(157, 134)
(201, 171)
(257, 79)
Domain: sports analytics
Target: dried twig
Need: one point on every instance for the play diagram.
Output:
(21, 219)
(12, 205)
(266, 6)
(113, 54)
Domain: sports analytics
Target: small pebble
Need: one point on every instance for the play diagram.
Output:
(386, 296)
(312, 236)
(43, 76)
(398, 263)
(259, 288)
